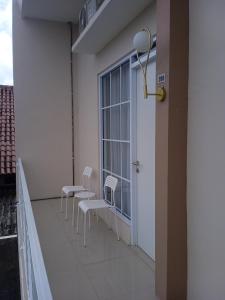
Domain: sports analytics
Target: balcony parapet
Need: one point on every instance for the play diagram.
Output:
(33, 277)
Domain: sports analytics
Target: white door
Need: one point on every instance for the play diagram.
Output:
(146, 157)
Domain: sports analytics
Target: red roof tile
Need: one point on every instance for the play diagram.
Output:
(7, 131)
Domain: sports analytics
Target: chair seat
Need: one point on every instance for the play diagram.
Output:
(86, 205)
(84, 195)
(72, 189)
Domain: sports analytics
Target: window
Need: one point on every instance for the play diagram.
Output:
(115, 133)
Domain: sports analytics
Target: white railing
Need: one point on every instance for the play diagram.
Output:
(33, 278)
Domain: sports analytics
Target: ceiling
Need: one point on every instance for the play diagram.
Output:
(53, 10)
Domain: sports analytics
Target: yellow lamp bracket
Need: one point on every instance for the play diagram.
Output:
(160, 92)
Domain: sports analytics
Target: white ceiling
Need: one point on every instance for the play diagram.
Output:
(54, 10)
(95, 37)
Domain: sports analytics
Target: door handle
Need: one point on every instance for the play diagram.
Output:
(136, 163)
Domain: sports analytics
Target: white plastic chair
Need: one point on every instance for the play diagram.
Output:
(88, 205)
(84, 195)
(68, 190)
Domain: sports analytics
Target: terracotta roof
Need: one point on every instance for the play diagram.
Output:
(7, 131)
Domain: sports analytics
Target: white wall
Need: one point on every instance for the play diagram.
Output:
(206, 151)
(87, 68)
(20, 3)
(43, 104)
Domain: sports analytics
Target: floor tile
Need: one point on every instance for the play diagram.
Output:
(127, 276)
(106, 269)
(71, 286)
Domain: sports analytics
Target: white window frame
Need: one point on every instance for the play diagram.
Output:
(133, 136)
(100, 108)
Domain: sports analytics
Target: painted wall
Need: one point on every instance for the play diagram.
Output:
(43, 104)
(20, 3)
(206, 151)
(87, 68)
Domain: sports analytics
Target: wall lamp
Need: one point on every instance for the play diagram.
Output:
(142, 44)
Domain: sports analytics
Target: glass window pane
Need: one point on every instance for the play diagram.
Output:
(106, 90)
(126, 199)
(116, 158)
(116, 128)
(106, 123)
(106, 156)
(115, 123)
(104, 175)
(107, 192)
(125, 148)
(125, 82)
(115, 86)
(118, 195)
(108, 195)
(125, 121)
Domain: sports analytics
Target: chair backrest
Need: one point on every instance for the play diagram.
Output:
(87, 172)
(86, 177)
(111, 182)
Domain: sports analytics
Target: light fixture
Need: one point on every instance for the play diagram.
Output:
(142, 44)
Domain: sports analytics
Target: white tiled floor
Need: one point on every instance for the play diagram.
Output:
(105, 270)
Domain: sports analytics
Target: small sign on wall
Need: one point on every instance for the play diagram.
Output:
(161, 78)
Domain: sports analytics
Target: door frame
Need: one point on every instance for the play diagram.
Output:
(134, 68)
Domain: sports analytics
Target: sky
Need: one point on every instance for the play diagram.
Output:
(6, 73)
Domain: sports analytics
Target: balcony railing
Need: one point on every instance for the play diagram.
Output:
(33, 278)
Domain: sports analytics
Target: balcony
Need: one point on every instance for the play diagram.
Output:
(106, 269)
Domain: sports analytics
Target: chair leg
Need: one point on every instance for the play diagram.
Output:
(67, 196)
(85, 229)
(61, 205)
(117, 229)
(110, 219)
(97, 216)
(106, 217)
(78, 214)
(89, 220)
(73, 217)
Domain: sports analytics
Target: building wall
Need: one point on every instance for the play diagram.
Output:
(87, 68)
(206, 152)
(43, 119)
(43, 103)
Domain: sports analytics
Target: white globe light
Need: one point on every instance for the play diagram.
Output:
(141, 41)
